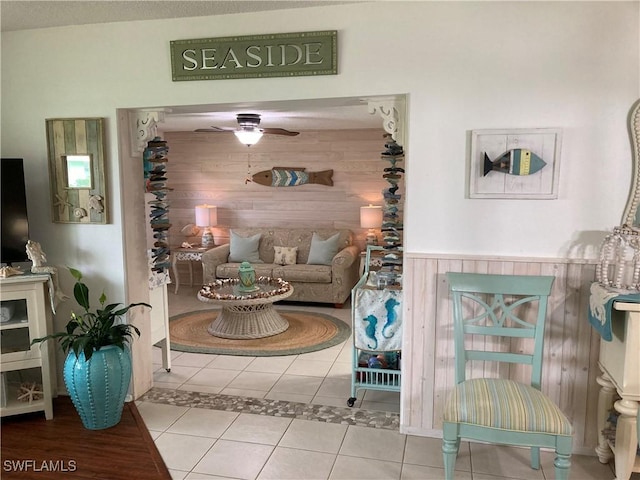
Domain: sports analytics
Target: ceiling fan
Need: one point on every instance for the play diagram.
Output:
(248, 131)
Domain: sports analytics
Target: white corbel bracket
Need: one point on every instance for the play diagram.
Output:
(144, 127)
(392, 112)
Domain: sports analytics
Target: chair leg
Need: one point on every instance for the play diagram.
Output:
(562, 462)
(450, 447)
(535, 458)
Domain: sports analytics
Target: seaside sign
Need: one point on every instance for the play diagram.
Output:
(255, 56)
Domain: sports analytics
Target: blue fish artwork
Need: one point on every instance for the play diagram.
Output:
(292, 177)
(370, 330)
(518, 161)
(392, 317)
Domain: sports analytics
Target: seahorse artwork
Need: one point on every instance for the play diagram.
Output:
(292, 177)
(392, 317)
(370, 330)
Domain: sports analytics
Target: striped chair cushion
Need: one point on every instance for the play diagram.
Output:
(505, 404)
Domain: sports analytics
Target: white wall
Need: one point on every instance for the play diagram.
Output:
(464, 65)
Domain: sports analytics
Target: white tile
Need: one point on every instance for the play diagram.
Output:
(190, 387)
(297, 384)
(231, 362)
(325, 355)
(270, 364)
(188, 359)
(381, 407)
(373, 443)
(310, 368)
(158, 416)
(334, 401)
(427, 452)
(335, 387)
(341, 370)
(177, 474)
(167, 385)
(253, 428)
(290, 464)
(202, 476)
(212, 377)
(288, 397)
(177, 374)
(254, 381)
(203, 422)
(316, 436)
(243, 392)
(381, 396)
(419, 472)
(234, 459)
(351, 468)
(582, 467)
(182, 452)
(503, 461)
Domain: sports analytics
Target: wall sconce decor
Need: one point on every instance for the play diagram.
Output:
(371, 218)
(207, 216)
(76, 149)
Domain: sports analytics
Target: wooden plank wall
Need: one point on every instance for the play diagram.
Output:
(571, 345)
(211, 168)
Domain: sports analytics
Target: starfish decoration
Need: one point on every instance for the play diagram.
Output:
(62, 203)
(29, 392)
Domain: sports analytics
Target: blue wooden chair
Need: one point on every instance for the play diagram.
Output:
(498, 410)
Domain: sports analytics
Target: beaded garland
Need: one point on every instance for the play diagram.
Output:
(280, 287)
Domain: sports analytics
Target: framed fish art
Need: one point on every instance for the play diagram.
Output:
(515, 163)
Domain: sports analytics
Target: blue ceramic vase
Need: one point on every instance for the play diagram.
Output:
(98, 387)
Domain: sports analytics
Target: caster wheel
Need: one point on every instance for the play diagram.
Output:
(351, 402)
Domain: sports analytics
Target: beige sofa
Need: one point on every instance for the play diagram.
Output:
(311, 283)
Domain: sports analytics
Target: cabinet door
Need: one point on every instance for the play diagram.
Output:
(23, 318)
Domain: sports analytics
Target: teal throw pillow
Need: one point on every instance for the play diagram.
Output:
(244, 249)
(323, 251)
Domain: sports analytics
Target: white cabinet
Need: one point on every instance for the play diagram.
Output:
(25, 315)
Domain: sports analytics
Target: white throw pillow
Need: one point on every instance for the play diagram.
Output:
(285, 255)
(323, 251)
(244, 249)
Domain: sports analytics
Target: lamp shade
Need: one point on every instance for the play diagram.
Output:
(371, 216)
(248, 136)
(206, 215)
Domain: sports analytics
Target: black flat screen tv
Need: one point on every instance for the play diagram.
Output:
(13, 211)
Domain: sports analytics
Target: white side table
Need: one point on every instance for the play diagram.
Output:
(188, 255)
(619, 360)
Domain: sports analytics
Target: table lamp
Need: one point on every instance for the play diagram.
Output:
(207, 216)
(371, 218)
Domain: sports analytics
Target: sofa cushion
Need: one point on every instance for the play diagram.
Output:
(323, 250)
(244, 249)
(230, 270)
(303, 273)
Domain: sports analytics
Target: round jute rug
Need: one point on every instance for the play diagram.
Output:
(307, 332)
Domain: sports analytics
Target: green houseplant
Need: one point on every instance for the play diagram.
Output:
(97, 370)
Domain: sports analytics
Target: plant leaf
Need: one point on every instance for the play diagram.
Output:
(76, 274)
(81, 294)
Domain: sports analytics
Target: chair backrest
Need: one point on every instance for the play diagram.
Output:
(512, 306)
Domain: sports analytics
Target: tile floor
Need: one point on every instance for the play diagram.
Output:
(222, 443)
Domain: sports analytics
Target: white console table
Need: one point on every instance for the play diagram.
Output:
(620, 365)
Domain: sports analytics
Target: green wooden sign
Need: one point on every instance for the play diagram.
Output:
(255, 56)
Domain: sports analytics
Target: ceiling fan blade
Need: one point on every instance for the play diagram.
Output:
(279, 131)
(214, 130)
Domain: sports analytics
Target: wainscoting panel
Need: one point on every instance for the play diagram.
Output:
(571, 345)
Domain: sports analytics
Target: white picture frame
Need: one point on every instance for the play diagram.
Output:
(542, 185)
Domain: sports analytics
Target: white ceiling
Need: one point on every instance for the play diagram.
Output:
(28, 14)
(293, 115)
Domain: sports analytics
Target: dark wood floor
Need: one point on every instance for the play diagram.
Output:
(38, 447)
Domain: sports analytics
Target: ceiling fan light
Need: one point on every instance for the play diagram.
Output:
(248, 137)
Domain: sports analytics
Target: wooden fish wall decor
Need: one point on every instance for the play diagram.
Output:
(514, 162)
(292, 177)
